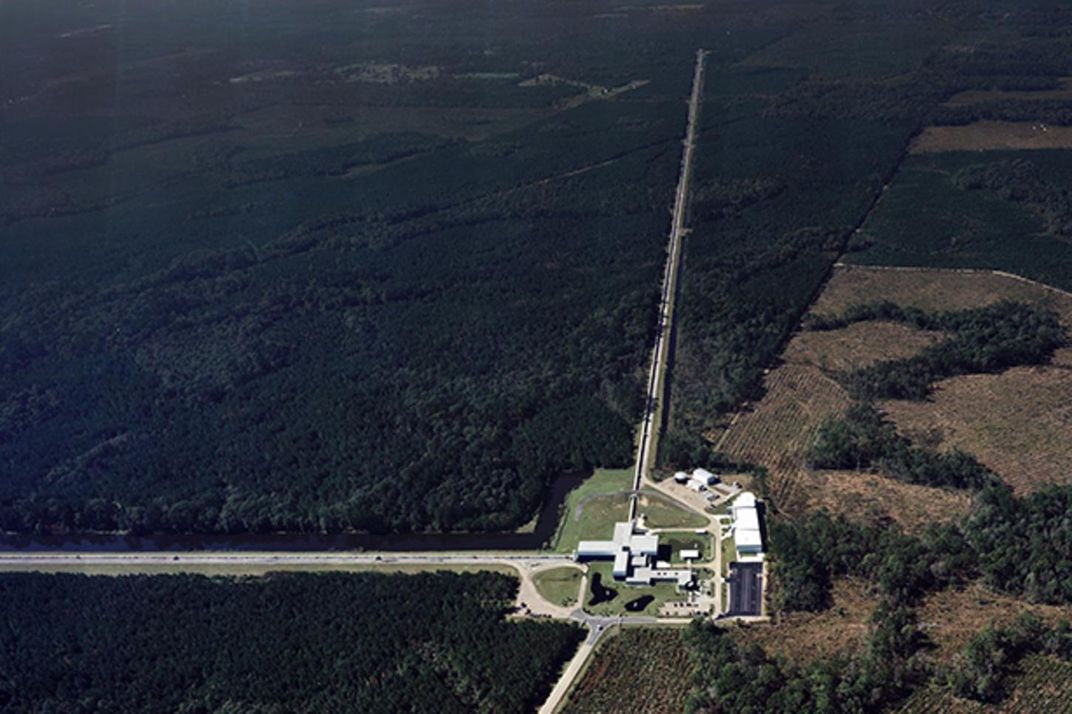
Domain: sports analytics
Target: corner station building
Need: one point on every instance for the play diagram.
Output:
(634, 553)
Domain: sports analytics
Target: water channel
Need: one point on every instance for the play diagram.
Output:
(546, 524)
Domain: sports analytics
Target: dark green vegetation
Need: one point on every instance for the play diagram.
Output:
(731, 678)
(862, 438)
(322, 267)
(1003, 210)
(984, 667)
(285, 642)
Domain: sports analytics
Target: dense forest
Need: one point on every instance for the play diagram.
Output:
(281, 643)
(395, 283)
(399, 270)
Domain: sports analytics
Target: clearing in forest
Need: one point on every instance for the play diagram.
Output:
(951, 617)
(655, 656)
(1016, 423)
(804, 636)
(980, 96)
(873, 497)
(992, 136)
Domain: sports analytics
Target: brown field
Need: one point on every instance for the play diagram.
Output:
(976, 96)
(776, 431)
(643, 670)
(862, 496)
(803, 636)
(858, 345)
(1018, 423)
(992, 136)
(932, 289)
(950, 618)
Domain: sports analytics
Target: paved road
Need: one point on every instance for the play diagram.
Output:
(649, 430)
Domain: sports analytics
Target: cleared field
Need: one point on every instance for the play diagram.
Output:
(978, 96)
(859, 495)
(559, 585)
(992, 136)
(776, 431)
(858, 345)
(950, 618)
(803, 636)
(1018, 423)
(657, 658)
(932, 289)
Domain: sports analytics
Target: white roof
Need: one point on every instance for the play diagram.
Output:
(748, 538)
(680, 476)
(594, 548)
(703, 473)
(746, 519)
(621, 562)
(646, 544)
(745, 500)
(688, 554)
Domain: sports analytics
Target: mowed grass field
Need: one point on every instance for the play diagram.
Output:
(635, 671)
(592, 509)
(559, 585)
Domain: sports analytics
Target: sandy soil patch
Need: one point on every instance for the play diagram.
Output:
(870, 497)
(992, 136)
(804, 636)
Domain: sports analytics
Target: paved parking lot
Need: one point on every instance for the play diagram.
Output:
(746, 589)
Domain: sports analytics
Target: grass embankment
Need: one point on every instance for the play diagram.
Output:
(559, 585)
(592, 509)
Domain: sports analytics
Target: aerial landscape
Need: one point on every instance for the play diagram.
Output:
(535, 356)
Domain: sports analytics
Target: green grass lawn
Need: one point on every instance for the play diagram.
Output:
(661, 592)
(559, 585)
(662, 513)
(729, 554)
(684, 541)
(592, 509)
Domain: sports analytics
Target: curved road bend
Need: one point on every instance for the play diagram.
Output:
(649, 429)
